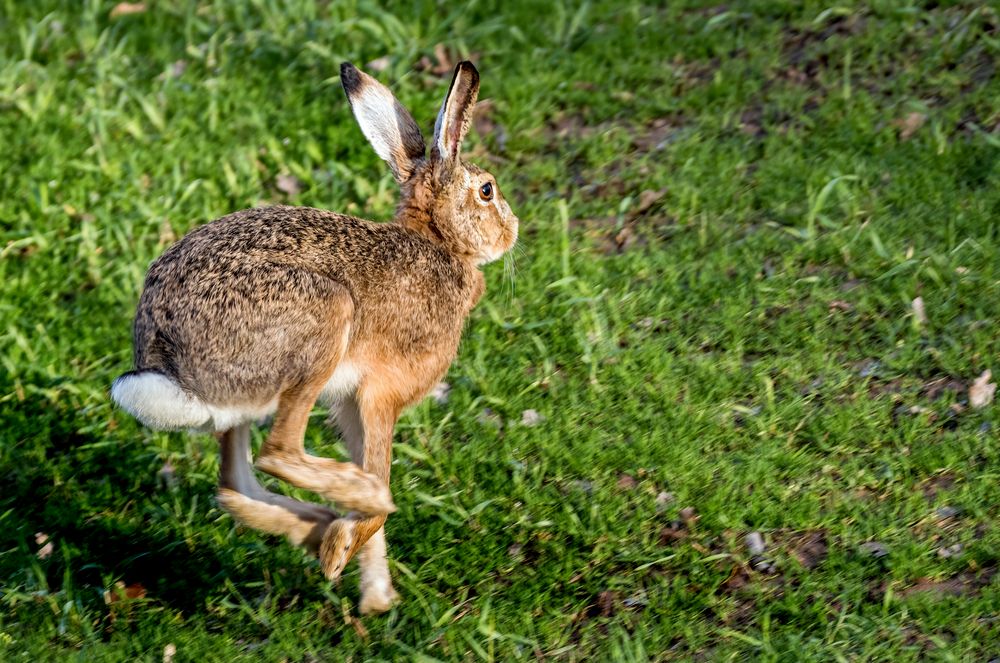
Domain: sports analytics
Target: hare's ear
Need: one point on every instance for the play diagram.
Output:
(456, 113)
(386, 124)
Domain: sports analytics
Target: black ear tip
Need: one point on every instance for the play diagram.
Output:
(468, 67)
(350, 77)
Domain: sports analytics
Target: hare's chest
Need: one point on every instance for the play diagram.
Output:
(344, 382)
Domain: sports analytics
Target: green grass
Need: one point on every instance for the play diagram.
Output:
(749, 348)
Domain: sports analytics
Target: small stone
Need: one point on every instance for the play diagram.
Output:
(663, 499)
(168, 475)
(869, 368)
(755, 543)
(531, 418)
(949, 551)
(490, 418)
(874, 549)
(440, 393)
(919, 311)
(635, 601)
(946, 512)
(761, 564)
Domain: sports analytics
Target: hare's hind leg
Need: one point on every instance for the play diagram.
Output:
(283, 454)
(242, 496)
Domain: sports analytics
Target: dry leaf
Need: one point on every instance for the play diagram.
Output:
(910, 124)
(378, 64)
(840, 305)
(647, 199)
(121, 592)
(445, 64)
(288, 184)
(738, 578)
(126, 8)
(167, 234)
(672, 533)
(351, 620)
(42, 539)
(606, 603)
(919, 312)
(626, 482)
(982, 390)
(938, 588)
(689, 516)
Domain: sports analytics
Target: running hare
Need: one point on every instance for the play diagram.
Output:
(267, 310)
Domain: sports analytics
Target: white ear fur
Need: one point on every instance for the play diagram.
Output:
(386, 124)
(456, 112)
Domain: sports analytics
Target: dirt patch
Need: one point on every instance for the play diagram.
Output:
(938, 387)
(937, 484)
(799, 46)
(964, 584)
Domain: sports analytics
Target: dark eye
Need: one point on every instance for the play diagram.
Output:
(486, 191)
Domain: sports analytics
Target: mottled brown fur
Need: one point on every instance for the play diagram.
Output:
(275, 270)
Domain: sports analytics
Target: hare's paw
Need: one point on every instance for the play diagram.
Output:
(378, 599)
(335, 549)
(366, 494)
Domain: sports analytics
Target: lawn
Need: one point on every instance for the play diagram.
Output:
(721, 403)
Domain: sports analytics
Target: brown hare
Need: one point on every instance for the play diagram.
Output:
(265, 311)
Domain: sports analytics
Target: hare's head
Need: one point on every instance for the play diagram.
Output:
(456, 204)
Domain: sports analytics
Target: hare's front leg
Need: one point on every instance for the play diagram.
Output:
(242, 496)
(377, 592)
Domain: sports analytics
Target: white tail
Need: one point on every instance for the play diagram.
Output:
(159, 402)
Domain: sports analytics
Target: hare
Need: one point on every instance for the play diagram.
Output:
(265, 311)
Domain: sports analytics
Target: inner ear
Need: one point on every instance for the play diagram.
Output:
(455, 115)
(387, 125)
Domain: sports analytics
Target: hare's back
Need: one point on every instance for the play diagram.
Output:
(228, 318)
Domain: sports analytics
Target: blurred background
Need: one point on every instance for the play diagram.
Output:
(730, 399)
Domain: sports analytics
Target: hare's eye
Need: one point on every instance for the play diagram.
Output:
(486, 191)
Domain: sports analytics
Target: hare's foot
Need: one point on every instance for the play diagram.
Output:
(377, 593)
(302, 522)
(344, 483)
(335, 550)
(375, 602)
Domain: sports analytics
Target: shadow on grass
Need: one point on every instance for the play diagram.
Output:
(100, 505)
